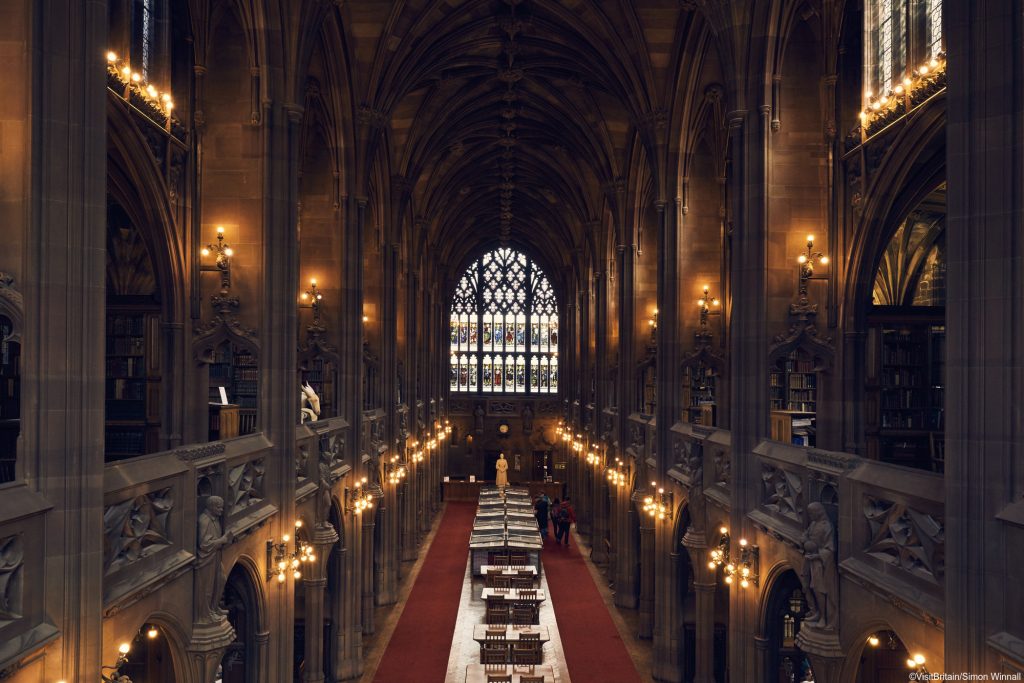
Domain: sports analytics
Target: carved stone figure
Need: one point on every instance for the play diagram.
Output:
(698, 502)
(308, 395)
(323, 496)
(501, 471)
(210, 571)
(478, 414)
(12, 560)
(527, 419)
(819, 572)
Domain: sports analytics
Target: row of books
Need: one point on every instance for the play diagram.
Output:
(126, 346)
(134, 325)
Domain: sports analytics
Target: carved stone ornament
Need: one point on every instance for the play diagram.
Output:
(136, 528)
(912, 540)
(210, 579)
(782, 492)
(723, 468)
(245, 484)
(12, 561)
(12, 305)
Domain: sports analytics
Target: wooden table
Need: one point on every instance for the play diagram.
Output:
(509, 571)
(477, 673)
(512, 595)
(511, 632)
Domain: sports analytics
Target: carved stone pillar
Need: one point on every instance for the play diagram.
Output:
(408, 509)
(704, 587)
(626, 588)
(600, 504)
(314, 583)
(645, 627)
(668, 608)
(206, 649)
(368, 522)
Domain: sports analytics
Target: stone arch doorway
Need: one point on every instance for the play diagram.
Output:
(240, 663)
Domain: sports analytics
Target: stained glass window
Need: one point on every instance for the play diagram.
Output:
(504, 327)
(899, 37)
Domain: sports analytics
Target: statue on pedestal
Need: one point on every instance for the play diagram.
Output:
(501, 471)
(323, 496)
(209, 570)
(527, 419)
(819, 577)
(478, 415)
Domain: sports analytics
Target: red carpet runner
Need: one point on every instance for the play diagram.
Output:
(419, 647)
(594, 652)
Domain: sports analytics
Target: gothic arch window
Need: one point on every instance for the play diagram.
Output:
(504, 327)
(899, 36)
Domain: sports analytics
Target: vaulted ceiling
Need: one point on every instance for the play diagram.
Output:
(512, 119)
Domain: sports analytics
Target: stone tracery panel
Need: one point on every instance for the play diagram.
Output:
(136, 528)
(907, 538)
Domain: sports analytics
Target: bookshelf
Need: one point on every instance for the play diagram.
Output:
(699, 385)
(793, 398)
(10, 397)
(237, 370)
(320, 374)
(906, 389)
(132, 382)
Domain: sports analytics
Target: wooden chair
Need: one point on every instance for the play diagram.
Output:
(531, 679)
(518, 559)
(525, 574)
(522, 583)
(499, 678)
(500, 582)
(497, 616)
(493, 652)
(495, 634)
(498, 559)
(523, 616)
(526, 651)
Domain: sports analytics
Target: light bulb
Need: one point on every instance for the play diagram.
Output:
(801, 259)
(165, 97)
(743, 542)
(744, 583)
(136, 77)
(919, 659)
(810, 238)
(312, 282)
(124, 648)
(723, 531)
(281, 565)
(297, 574)
(170, 106)
(823, 260)
(127, 71)
(366, 318)
(152, 633)
(312, 557)
(923, 70)
(700, 302)
(204, 251)
(907, 82)
(715, 302)
(111, 56)
(898, 90)
(728, 579)
(298, 524)
(885, 99)
(933, 62)
(911, 664)
(711, 565)
(876, 105)
(280, 577)
(151, 90)
(229, 252)
(220, 229)
(286, 538)
(304, 296)
(868, 94)
(873, 641)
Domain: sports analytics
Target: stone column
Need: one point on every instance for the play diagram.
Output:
(645, 628)
(206, 650)
(704, 586)
(668, 623)
(985, 289)
(346, 606)
(368, 521)
(314, 584)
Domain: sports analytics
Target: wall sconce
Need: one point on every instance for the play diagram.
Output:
(280, 559)
(916, 663)
(223, 253)
(720, 555)
(311, 298)
(658, 504)
(652, 322)
(115, 671)
(806, 262)
(706, 302)
(746, 569)
(395, 470)
(618, 475)
(357, 500)
(594, 458)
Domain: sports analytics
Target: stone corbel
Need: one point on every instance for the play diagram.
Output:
(207, 647)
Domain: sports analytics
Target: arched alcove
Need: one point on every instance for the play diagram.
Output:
(157, 652)
(242, 599)
(783, 613)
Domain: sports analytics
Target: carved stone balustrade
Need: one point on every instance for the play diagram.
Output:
(24, 625)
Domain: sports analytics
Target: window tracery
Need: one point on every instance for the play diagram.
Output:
(504, 327)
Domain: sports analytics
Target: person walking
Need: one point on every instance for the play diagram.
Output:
(541, 507)
(566, 517)
(555, 507)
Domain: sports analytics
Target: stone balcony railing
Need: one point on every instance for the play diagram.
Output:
(24, 625)
(889, 520)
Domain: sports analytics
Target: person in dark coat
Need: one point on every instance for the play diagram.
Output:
(555, 507)
(566, 518)
(541, 508)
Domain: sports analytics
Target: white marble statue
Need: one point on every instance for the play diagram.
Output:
(307, 395)
(501, 471)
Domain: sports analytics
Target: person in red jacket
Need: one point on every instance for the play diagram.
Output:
(566, 517)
